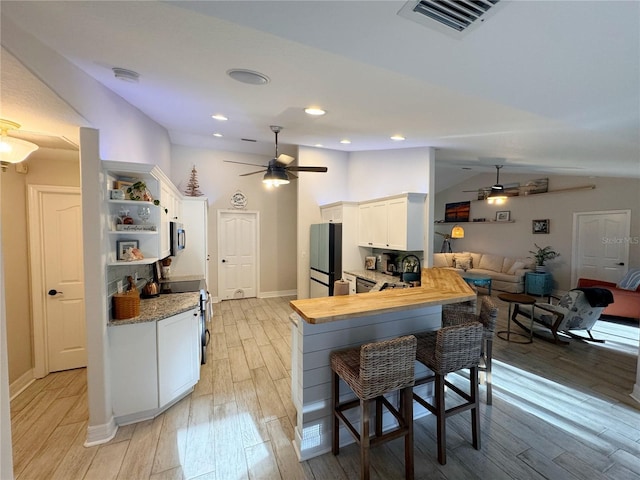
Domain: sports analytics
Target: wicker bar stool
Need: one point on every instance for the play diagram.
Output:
(444, 351)
(457, 314)
(371, 371)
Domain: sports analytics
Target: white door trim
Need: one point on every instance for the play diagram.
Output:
(574, 252)
(36, 271)
(256, 215)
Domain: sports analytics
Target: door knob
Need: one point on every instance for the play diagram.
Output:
(223, 260)
(621, 263)
(53, 292)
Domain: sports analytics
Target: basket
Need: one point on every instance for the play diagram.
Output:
(126, 305)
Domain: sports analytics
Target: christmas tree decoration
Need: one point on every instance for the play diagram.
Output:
(193, 187)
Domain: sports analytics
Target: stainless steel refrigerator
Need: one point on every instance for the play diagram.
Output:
(325, 258)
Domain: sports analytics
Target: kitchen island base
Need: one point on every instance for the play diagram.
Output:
(311, 373)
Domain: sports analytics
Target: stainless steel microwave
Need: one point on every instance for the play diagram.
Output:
(178, 238)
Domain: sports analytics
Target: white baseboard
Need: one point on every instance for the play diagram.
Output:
(284, 293)
(20, 384)
(635, 394)
(99, 434)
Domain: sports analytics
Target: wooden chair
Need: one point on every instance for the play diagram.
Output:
(460, 313)
(578, 309)
(371, 371)
(445, 351)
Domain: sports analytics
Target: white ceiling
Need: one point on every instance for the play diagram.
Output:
(553, 86)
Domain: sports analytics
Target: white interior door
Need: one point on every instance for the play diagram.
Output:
(55, 218)
(601, 242)
(237, 254)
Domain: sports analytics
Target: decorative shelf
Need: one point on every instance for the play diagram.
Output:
(133, 202)
(133, 232)
(560, 190)
(144, 261)
(492, 222)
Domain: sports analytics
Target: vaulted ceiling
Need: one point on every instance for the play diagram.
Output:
(546, 86)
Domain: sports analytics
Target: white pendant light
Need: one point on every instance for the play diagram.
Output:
(13, 150)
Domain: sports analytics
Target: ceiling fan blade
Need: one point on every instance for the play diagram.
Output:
(251, 173)
(306, 169)
(244, 163)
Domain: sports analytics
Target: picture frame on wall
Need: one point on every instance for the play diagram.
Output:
(540, 226)
(123, 246)
(503, 216)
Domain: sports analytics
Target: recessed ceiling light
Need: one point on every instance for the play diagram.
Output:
(219, 116)
(319, 145)
(217, 134)
(315, 111)
(248, 76)
(346, 141)
(126, 75)
(397, 138)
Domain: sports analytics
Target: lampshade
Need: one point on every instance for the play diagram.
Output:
(275, 177)
(457, 232)
(13, 150)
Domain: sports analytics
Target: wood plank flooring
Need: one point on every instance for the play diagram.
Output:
(559, 412)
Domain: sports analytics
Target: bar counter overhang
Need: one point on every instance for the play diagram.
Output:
(321, 325)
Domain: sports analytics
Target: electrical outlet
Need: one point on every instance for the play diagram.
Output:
(119, 286)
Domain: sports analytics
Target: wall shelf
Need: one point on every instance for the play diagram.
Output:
(492, 222)
(560, 190)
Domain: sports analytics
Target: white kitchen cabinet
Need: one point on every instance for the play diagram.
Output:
(178, 355)
(134, 368)
(394, 223)
(352, 282)
(194, 260)
(171, 201)
(153, 364)
(331, 213)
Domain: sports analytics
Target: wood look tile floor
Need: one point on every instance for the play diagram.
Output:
(559, 412)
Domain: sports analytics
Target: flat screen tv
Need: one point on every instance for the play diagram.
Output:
(457, 212)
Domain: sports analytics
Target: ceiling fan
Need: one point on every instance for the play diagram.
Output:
(496, 193)
(278, 170)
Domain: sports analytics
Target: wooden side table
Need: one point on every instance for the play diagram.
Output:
(538, 284)
(523, 299)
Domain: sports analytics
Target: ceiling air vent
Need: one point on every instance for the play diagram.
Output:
(455, 15)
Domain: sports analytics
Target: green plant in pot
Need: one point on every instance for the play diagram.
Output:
(541, 255)
(138, 191)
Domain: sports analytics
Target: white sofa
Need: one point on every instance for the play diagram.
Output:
(507, 273)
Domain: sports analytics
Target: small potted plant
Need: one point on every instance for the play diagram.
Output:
(138, 191)
(541, 255)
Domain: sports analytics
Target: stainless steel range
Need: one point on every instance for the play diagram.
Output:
(194, 285)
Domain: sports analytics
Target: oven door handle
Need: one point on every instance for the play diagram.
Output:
(208, 337)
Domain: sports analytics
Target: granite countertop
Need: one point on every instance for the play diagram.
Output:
(376, 276)
(164, 306)
(438, 287)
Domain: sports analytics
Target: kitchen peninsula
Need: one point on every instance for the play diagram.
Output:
(321, 325)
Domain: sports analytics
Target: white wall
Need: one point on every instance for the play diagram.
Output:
(277, 206)
(517, 239)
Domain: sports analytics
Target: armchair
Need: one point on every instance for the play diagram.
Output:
(578, 309)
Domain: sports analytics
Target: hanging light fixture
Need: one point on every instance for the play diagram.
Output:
(275, 177)
(457, 232)
(13, 150)
(497, 196)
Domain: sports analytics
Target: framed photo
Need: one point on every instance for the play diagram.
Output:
(503, 216)
(122, 185)
(124, 245)
(457, 212)
(540, 226)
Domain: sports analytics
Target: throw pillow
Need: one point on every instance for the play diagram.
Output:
(516, 266)
(463, 262)
(631, 280)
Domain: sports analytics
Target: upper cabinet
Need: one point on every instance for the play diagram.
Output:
(394, 223)
(345, 213)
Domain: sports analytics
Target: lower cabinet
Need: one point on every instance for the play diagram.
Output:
(153, 364)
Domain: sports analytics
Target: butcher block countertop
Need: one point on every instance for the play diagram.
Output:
(438, 287)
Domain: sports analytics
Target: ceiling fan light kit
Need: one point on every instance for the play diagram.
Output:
(278, 169)
(497, 195)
